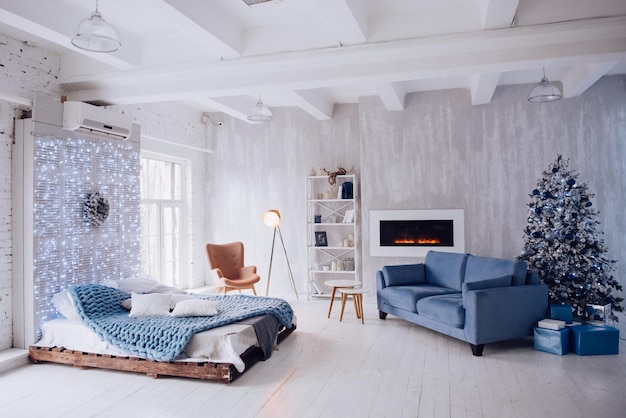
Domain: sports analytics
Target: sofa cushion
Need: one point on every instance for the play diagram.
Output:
(481, 268)
(445, 269)
(447, 309)
(406, 274)
(406, 297)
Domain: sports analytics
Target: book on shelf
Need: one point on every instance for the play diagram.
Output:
(348, 217)
(551, 324)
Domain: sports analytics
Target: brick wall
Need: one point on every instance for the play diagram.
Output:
(24, 70)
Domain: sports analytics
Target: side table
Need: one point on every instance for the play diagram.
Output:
(337, 284)
(357, 297)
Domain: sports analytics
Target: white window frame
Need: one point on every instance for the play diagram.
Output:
(185, 237)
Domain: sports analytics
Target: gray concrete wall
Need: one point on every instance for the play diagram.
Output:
(440, 152)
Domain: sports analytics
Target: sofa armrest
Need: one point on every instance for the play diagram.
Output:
(503, 313)
(403, 275)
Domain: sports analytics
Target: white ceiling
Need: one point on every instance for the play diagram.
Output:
(220, 55)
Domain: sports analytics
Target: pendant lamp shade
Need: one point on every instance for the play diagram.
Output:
(260, 113)
(544, 92)
(96, 35)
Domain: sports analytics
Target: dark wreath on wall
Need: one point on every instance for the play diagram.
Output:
(96, 209)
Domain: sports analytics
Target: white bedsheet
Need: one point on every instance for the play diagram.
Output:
(218, 345)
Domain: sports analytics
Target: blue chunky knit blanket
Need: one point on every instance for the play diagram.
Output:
(162, 337)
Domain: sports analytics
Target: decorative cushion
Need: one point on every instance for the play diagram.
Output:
(406, 274)
(176, 298)
(127, 304)
(447, 309)
(149, 304)
(195, 307)
(503, 281)
(64, 305)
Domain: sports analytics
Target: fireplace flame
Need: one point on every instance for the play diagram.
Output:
(420, 241)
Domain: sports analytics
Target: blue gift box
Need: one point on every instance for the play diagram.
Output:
(593, 340)
(552, 340)
(562, 312)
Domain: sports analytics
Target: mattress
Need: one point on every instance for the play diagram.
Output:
(218, 345)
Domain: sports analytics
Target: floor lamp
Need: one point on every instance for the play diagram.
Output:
(271, 218)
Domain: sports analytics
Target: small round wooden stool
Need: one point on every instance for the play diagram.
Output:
(357, 297)
(337, 284)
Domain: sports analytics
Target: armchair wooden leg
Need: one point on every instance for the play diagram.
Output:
(253, 290)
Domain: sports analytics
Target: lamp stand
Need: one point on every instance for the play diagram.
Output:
(269, 274)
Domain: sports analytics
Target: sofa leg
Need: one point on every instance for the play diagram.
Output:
(382, 315)
(477, 350)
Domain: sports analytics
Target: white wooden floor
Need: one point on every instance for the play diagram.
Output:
(326, 368)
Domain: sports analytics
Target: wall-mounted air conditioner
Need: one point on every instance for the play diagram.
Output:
(79, 115)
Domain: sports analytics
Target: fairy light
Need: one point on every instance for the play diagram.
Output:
(67, 250)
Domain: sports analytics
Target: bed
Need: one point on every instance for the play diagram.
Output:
(218, 338)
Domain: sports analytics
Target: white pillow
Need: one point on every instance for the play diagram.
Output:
(175, 298)
(127, 304)
(149, 304)
(64, 305)
(137, 284)
(195, 307)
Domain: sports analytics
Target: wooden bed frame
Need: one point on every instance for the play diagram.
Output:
(221, 372)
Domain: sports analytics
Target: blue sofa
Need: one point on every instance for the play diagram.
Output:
(479, 300)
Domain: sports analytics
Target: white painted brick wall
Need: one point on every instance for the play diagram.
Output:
(24, 71)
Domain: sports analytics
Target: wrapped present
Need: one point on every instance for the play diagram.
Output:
(594, 340)
(555, 341)
(599, 313)
(562, 313)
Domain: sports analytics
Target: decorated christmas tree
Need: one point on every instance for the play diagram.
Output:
(563, 245)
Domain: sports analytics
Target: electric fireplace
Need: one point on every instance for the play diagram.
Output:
(412, 233)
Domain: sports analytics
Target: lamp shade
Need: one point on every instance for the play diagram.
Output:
(260, 113)
(271, 218)
(96, 35)
(544, 92)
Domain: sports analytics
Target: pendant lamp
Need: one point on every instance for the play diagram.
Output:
(545, 91)
(260, 113)
(96, 35)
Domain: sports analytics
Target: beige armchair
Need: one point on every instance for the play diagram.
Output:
(226, 261)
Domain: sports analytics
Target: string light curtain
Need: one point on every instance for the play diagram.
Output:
(67, 249)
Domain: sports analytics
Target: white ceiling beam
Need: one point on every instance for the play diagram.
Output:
(346, 18)
(57, 24)
(578, 79)
(391, 94)
(238, 107)
(497, 13)
(208, 26)
(483, 86)
(485, 52)
(315, 102)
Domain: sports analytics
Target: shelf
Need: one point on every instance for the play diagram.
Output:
(336, 233)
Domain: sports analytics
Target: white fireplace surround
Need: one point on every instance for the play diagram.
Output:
(376, 216)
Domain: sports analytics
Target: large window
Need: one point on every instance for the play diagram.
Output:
(162, 218)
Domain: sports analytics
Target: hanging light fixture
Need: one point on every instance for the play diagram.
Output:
(545, 91)
(96, 35)
(260, 113)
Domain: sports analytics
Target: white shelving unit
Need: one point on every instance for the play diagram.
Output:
(333, 238)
